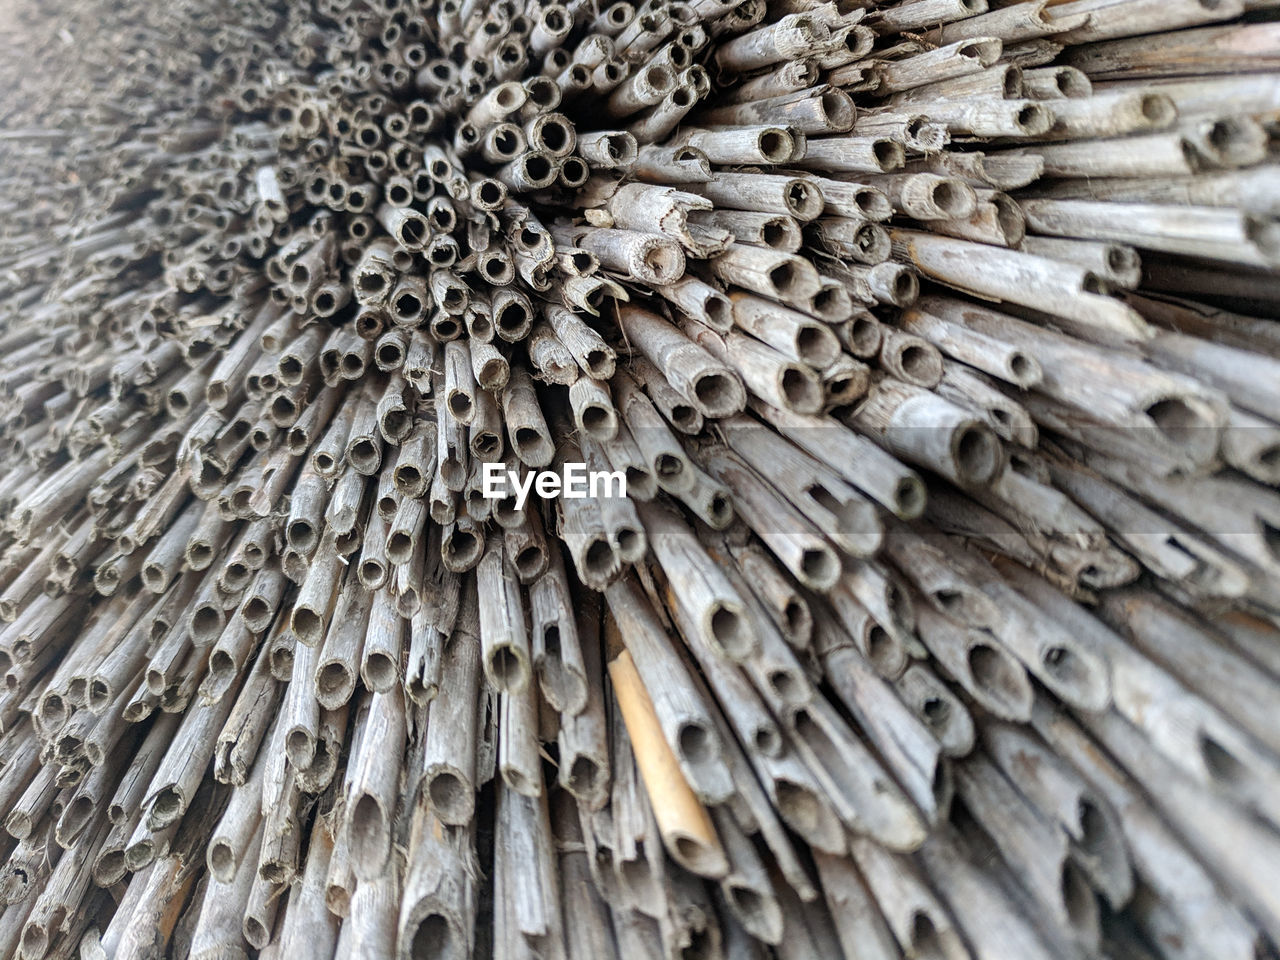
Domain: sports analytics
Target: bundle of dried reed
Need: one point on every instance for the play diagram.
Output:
(939, 616)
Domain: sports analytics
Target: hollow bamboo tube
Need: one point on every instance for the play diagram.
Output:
(683, 822)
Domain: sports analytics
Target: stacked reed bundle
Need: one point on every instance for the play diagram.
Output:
(940, 618)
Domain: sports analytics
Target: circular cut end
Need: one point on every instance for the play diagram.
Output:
(372, 574)
(379, 672)
(300, 747)
(719, 511)
(1184, 424)
(256, 932)
(449, 797)
(599, 559)
(784, 278)
(718, 394)
(109, 868)
(463, 548)
(1009, 218)
(333, 678)
(718, 310)
(798, 806)
(799, 621)
(864, 335)
(461, 406)
(837, 107)
(584, 776)
(505, 141)
(511, 317)
(998, 677)
(490, 193)
(35, 939)
(905, 288)
(1033, 120)
(390, 354)
(696, 856)
(659, 79)
(396, 425)
(555, 135)
(529, 562)
(767, 740)
(1023, 370)
(168, 806)
(1158, 110)
(1221, 764)
(154, 577)
(1066, 667)
(873, 204)
(1122, 260)
(599, 422)
(432, 939)
(925, 941)
(695, 743)
(538, 171)
(485, 444)
(508, 668)
(1011, 83)
(1073, 83)
(820, 568)
(621, 148)
(872, 241)
(222, 861)
(1264, 233)
(775, 146)
(920, 363)
(803, 200)
(256, 611)
(883, 651)
(530, 444)
(888, 154)
(660, 262)
(986, 51)
(801, 389)
(730, 632)
(745, 900)
(780, 233)
(412, 232)
(976, 453)
(206, 623)
(507, 96)
(574, 171)
(1095, 836)
(788, 686)
(831, 303)
(307, 624)
(667, 466)
(817, 346)
(952, 199)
